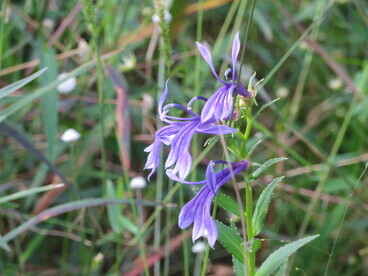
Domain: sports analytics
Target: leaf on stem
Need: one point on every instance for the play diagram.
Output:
(228, 204)
(263, 202)
(231, 240)
(278, 257)
(265, 166)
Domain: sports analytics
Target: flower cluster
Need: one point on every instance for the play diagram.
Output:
(178, 134)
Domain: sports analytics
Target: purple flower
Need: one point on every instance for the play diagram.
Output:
(220, 104)
(178, 134)
(198, 210)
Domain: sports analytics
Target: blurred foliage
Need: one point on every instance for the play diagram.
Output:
(303, 126)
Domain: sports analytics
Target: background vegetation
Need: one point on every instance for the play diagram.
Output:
(313, 56)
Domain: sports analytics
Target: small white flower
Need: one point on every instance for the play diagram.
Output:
(282, 92)
(199, 247)
(303, 45)
(68, 85)
(48, 23)
(167, 17)
(138, 182)
(70, 135)
(129, 61)
(335, 84)
(83, 48)
(99, 257)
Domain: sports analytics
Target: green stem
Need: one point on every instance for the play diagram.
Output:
(245, 38)
(89, 13)
(250, 232)
(3, 16)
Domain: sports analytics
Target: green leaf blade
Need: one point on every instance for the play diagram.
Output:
(257, 173)
(228, 204)
(278, 257)
(231, 240)
(263, 202)
(19, 84)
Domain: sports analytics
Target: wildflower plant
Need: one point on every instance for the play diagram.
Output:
(228, 111)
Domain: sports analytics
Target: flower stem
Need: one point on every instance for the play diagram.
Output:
(248, 217)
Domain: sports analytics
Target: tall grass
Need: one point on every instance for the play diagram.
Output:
(311, 54)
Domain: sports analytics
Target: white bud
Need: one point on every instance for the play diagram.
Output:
(68, 85)
(138, 182)
(199, 247)
(335, 84)
(70, 135)
(167, 17)
(303, 45)
(282, 92)
(99, 257)
(148, 102)
(48, 23)
(129, 61)
(83, 48)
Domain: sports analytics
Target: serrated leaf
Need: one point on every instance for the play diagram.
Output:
(228, 204)
(231, 240)
(263, 107)
(282, 269)
(280, 255)
(263, 202)
(266, 165)
(239, 268)
(19, 84)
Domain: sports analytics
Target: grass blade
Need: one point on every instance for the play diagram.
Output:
(19, 84)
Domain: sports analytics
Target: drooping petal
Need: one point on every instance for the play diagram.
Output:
(153, 157)
(198, 210)
(212, 231)
(187, 213)
(162, 100)
(207, 57)
(211, 178)
(170, 174)
(215, 129)
(184, 159)
(227, 104)
(209, 109)
(234, 54)
(179, 140)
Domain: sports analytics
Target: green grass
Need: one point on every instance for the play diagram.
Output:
(297, 47)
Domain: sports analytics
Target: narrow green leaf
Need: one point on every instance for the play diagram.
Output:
(231, 240)
(280, 255)
(228, 203)
(49, 100)
(29, 192)
(282, 269)
(113, 211)
(19, 84)
(266, 165)
(263, 107)
(68, 207)
(117, 221)
(3, 244)
(239, 268)
(43, 90)
(263, 202)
